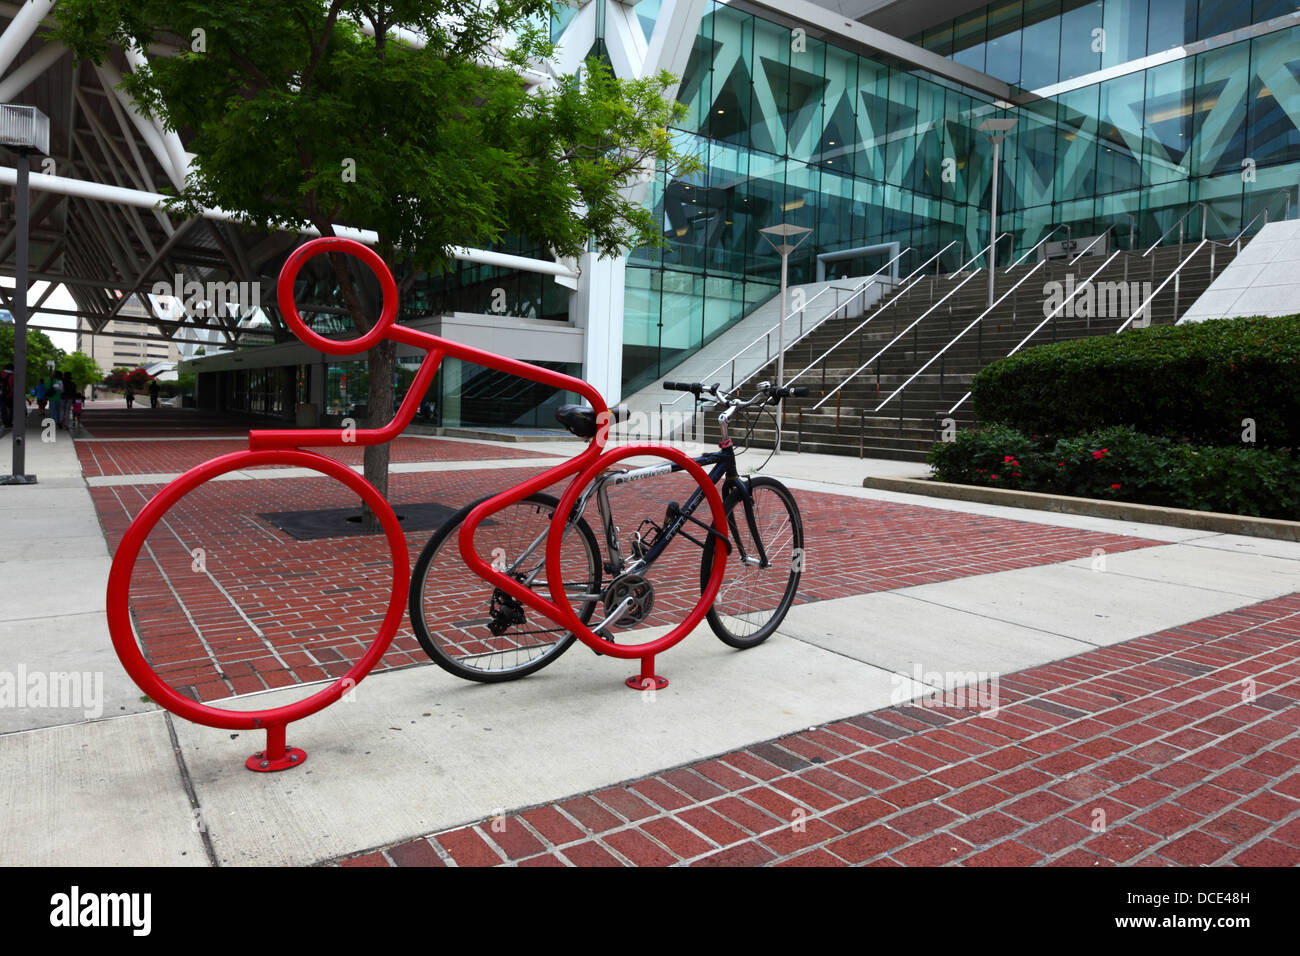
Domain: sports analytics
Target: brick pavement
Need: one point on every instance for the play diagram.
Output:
(265, 610)
(1175, 749)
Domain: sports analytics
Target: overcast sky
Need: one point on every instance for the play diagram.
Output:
(59, 299)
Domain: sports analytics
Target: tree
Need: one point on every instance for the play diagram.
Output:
(312, 109)
(83, 368)
(40, 351)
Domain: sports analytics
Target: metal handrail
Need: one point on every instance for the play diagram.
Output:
(1042, 242)
(873, 315)
(854, 374)
(1107, 232)
(1064, 302)
(1201, 245)
(855, 291)
(1264, 212)
(953, 342)
(1205, 221)
(962, 267)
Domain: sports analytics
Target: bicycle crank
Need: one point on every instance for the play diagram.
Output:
(630, 597)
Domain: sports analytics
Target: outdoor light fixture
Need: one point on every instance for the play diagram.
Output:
(996, 130)
(785, 239)
(24, 130)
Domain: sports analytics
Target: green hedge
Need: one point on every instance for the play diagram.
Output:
(1120, 464)
(1194, 382)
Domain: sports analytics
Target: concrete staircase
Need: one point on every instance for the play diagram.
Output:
(904, 429)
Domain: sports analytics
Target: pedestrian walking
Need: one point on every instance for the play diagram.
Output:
(130, 398)
(7, 396)
(153, 393)
(54, 390)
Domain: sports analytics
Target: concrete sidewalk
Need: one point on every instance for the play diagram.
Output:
(414, 752)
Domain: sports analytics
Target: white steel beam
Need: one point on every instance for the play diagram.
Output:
(21, 29)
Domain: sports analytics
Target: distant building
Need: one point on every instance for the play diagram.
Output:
(110, 349)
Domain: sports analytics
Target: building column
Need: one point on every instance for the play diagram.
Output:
(597, 309)
(451, 383)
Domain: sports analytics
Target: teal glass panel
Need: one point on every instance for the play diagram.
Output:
(970, 34)
(1041, 44)
(803, 112)
(1223, 196)
(1221, 16)
(1162, 206)
(1274, 131)
(838, 139)
(1004, 42)
(1119, 154)
(731, 113)
(1125, 23)
(1169, 104)
(1219, 123)
(872, 119)
(1082, 38)
(1076, 145)
(696, 88)
(1171, 23)
(771, 76)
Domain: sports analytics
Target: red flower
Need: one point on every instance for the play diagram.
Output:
(1060, 464)
(1098, 454)
(1007, 459)
(1114, 487)
(994, 477)
(1015, 474)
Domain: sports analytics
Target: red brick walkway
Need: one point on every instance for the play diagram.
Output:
(1180, 748)
(265, 610)
(158, 456)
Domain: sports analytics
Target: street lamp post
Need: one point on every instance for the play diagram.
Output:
(996, 130)
(785, 239)
(24, 130)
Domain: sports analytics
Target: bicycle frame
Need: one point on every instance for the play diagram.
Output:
(285, 447)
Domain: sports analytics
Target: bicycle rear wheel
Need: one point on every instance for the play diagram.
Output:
(753, 600)
(476, 631)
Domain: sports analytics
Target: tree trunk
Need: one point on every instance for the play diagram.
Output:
(382, 361)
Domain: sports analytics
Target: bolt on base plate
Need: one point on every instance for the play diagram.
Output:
(261, 763)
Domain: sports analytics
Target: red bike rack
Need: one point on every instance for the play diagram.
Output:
(283, 447)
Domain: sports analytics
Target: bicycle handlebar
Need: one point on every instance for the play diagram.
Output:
(773, 392)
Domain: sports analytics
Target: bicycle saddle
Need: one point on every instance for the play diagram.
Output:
(581, 419)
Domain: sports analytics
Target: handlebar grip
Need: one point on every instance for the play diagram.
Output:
(678, 387)
(799, 391)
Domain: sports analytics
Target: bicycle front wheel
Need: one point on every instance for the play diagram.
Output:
(754, 599)
(476, 631)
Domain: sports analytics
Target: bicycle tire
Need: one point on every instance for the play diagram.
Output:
(464, 645)
(752, 602)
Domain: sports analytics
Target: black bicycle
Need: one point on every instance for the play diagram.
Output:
(476, 631)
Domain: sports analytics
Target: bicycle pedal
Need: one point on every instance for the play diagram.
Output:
(604, 637)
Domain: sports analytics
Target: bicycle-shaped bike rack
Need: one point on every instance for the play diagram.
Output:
(285, 447)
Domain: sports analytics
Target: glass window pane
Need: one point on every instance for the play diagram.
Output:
(1041, 46)
(1219, 124)
(1082, 38)
(1171, 24)
(1274, 119)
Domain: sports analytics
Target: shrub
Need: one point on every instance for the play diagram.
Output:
(1120, 464)
(1194, 383)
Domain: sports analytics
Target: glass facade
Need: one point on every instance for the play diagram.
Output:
(791, 129)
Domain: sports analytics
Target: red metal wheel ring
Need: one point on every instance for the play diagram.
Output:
(289, 309)
(128, 550)
(566, 615)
